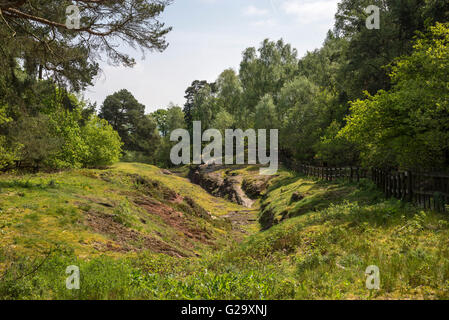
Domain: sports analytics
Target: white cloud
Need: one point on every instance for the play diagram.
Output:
(254, 11)
(310, 11)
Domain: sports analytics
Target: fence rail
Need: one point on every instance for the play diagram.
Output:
(429, 190)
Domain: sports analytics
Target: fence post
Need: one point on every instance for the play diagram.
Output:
(408, 174)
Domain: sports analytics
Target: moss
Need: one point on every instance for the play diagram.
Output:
(46, 210)
(315, 248)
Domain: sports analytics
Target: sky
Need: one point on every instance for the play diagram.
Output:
(208, 37)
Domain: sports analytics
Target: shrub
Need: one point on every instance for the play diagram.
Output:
(103, 143)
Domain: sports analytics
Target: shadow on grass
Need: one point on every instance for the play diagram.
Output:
(28, 184)
(320, 195)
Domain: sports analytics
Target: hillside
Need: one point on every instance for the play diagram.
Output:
(139, 232)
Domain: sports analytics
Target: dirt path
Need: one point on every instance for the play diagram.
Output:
(242, 221)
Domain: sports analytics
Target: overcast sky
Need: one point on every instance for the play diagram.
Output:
(209, 36)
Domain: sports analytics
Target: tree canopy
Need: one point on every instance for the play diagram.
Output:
(408, 125)
(36, 31)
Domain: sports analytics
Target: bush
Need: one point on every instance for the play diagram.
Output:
(6, 154)
(103, 143)
(39, 146)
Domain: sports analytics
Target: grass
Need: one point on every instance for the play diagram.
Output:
(42, 211)
(316, 195)
(319, 250)
(181, 185)
(326, 253)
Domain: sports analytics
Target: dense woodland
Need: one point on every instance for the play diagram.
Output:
(366, 97)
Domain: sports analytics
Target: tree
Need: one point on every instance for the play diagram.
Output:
(54, 136)
(175, 118)
(335, 150)
(369, 51)
(206, 107)
(408, 126)
(223, 121)
(229, 94)
(321, 66)
(266, 70)
(160, 116)
(297, 93)
(36, 31)
(127, 116)
(265, 116)
(189, 106)
(145, 137)
(7, 153)
(303, 113)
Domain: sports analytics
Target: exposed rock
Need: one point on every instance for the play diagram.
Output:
(211, 179)
(166, 172)
(232, 189)
(296, 197)
(256, 186)
(267, 219)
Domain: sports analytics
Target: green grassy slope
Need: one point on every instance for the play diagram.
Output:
(83, 215)
(76, 208)
(181, 185)
(316, 247)
(322, 244)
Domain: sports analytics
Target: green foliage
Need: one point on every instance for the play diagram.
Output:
(168, 120)
(7, 154)
(408, 125)
(266, 70)
(230, 93)
(334, 149)
(37, 144)
(102, 142)
(70, 58)
(302, 112)
(368, 51)
(175, 118)
(206, 107)
(265, 116)
(310, 96)
(160, 116)
(223, 121)
(66, 126)
(57, 131)
(322, 66)
(189, 106)
(47, 121)
(127, 116)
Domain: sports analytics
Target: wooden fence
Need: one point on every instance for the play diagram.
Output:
(429, 190)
